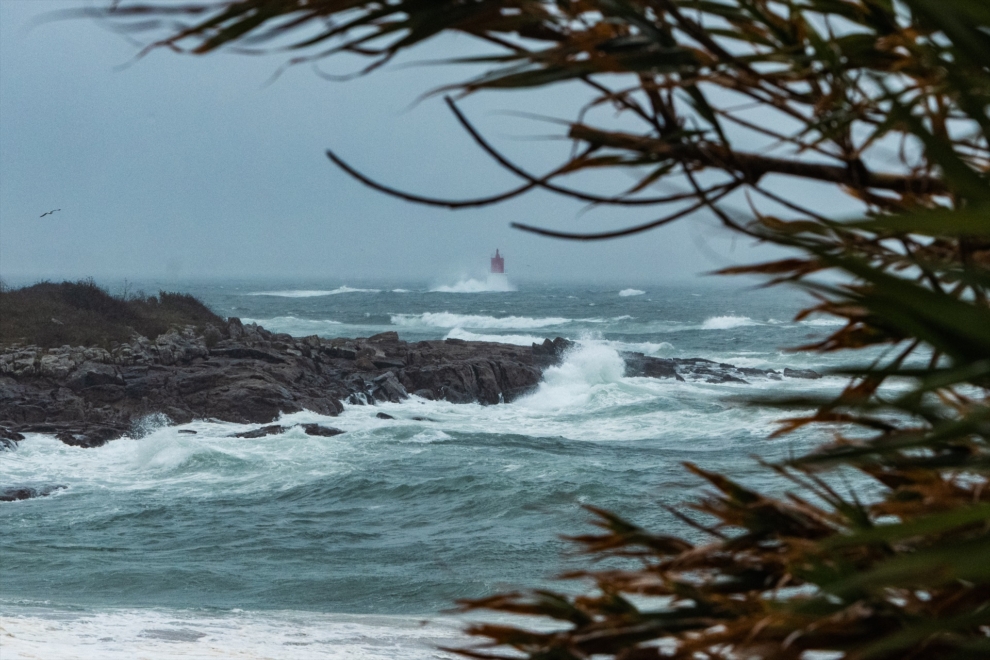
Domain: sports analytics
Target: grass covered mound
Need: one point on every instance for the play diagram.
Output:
(81, 313)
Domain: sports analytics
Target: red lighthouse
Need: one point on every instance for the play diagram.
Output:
(498, 263)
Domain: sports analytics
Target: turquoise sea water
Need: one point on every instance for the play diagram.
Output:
(292, 546)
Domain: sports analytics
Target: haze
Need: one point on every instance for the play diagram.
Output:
(181, 167)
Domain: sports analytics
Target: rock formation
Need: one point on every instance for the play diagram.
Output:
(243, 373)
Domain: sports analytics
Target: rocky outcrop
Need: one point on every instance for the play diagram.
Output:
(244, 373)
(708, 371)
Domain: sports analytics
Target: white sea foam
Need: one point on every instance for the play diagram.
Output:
(451, 320)
(518, 340)
(296, 326)
(631, 292)
(196, 635)
(645, 347)
(307, 293)
(726, 322)
(587, 367)
(492, 284)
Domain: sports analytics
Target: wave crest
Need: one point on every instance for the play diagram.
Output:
(727, 322)
(312, 293)
(491, 284)
(451, 320)
(631, 292)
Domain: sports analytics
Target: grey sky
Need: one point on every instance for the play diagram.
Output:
(181, 166)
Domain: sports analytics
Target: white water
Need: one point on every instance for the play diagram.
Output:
(494, 283)
(52, 634)
(305, 293)
(450, 320)
(726, 322)
(625, 293)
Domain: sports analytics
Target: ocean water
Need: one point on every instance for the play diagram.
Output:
(291, 546)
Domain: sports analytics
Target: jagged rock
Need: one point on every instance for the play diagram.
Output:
(88, 395)
(388, 388)
(9, 438)
(93, 436)
(91, 374)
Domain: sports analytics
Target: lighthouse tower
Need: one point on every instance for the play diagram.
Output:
(498, 263)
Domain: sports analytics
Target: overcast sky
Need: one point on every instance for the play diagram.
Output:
(190, 167)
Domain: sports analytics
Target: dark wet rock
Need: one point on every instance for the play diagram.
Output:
(422, 419)
(273, 429)
(187, 432)
(696, 370)
(89, 437)
(17, 493)
(384, 416)
(320, 430)
(242, 373)
(91, 374)
(554, 349)
(9, 439)
(802, 373)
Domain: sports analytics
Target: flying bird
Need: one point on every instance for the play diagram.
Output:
(49, 213)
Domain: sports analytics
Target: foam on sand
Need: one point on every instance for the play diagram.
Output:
(134, 633)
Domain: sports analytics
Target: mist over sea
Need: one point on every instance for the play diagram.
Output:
(294, 546)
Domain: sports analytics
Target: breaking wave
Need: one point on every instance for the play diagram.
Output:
(518, 340)
(631, 292)
(310, 293)
(451, 320)
(295, 326)
(726, 322)
(493, 283)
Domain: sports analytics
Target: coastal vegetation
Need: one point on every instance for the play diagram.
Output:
(883, 101)
(50, 314)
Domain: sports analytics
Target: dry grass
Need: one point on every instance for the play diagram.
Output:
(81, 313)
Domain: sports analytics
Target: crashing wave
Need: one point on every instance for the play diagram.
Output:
(312, 293)
(451, 320)
(631, 292)
(492, 284)
(727, 322)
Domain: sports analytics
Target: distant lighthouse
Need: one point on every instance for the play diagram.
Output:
(498, 263)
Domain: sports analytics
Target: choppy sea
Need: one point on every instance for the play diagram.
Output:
(174, 545)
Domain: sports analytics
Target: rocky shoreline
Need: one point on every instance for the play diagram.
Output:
(243, 373)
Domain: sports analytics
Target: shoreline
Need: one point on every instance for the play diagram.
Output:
(244, 373)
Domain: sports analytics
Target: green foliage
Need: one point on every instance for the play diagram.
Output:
(83, 314)
(885, 101)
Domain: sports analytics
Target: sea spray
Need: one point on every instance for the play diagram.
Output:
(586, 368)
(492, 284)
(451, 320)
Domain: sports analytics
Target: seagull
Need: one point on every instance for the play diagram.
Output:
(49, 213)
